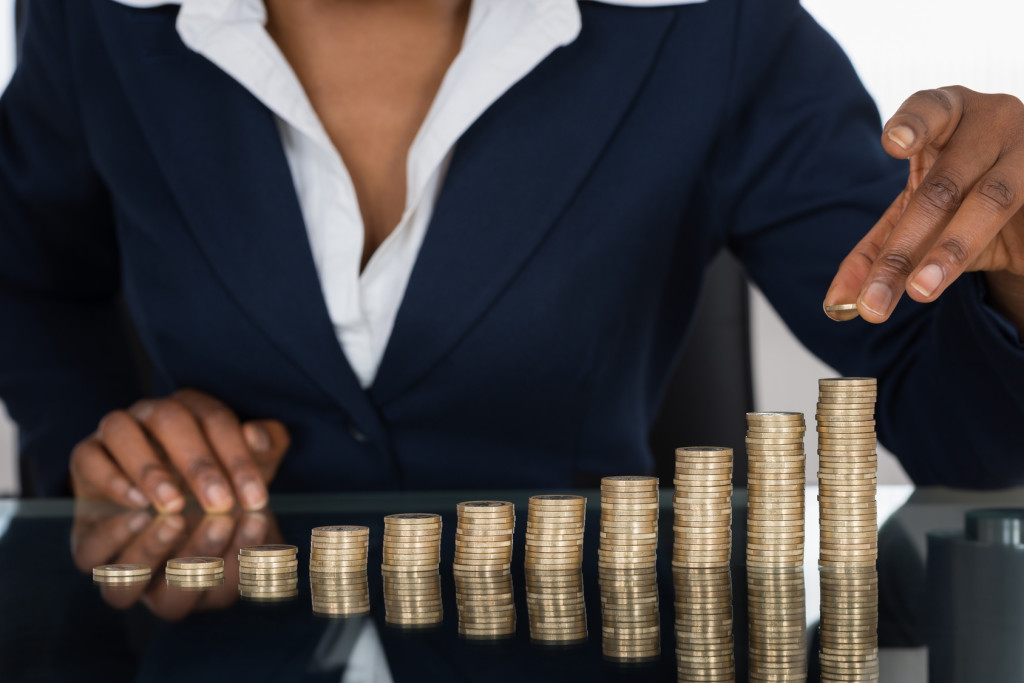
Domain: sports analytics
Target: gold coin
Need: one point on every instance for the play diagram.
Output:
(120, 570)
(268, 550)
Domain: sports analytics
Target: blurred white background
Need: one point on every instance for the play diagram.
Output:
(897, 46)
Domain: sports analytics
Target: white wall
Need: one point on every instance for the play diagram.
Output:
(8, 467)
(897, 47)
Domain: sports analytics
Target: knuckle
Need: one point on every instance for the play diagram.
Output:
(942, 192)
(955, 251)
(939, 96)
(201, 468)
(168, 413)
(114, 423)
(998, 192)
(896, 262)
(151, 474)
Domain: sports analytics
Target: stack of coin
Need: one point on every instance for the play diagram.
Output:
(629, 522)
(268, 572)
(412, 597)
(630, 621)
(554, 532)
(412, 541)
(778, 626)
(337, 570)
(703, 609)
(847, 484)
(486, 606)
(703, 507)
(775, 489)
(121, 574)
(195, 573)
(849, 624)
(554, 599)
(483, 540)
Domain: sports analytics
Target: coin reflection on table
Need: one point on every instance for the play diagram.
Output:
(630, 625)
(554, 599)
(703, 608)
(849, 624)
(486, 605)
(778, 627)
(412, 597)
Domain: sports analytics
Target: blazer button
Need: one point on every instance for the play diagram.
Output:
(356, 435)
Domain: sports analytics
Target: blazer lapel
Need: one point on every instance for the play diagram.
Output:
(220, 151)
(513, 173)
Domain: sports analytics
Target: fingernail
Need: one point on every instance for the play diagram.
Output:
(902, 136)
(169, 529)
(137, 498)
(169, 497)
(878, 298)
(255, 495)
(257, 437)
(217, 495)
(253, 529)
(928, 280)
(219, 529)
(138, 521)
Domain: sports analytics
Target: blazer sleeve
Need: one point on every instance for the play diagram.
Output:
(801, 171)
(65, 359)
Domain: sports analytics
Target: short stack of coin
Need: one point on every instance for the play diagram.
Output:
(268, 572)
(775, 489)
(486, 605)
(703, 610)
(121, 574)
(412, 541)
(847, 486)
(195, 573)
(629, 522)
(554, 532)
(337, 570)
(630, 621)
(412, 597)
(483, 540)
(778, 626)
(702, 526)
(557, 609)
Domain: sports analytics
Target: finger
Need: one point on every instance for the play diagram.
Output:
(174, 427)
(95, 476)
(107, 539)
(224, 433)
(151, 547)
(854, 269)
(988, 207)
(937, 199)
(127, 443)
(269, 441)
(208, 539)
(928, 117)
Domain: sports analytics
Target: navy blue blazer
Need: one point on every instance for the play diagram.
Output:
(554, 286)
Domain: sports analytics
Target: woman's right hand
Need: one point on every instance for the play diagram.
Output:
(159, 450)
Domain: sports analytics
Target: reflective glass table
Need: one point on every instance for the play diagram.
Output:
(951, 605)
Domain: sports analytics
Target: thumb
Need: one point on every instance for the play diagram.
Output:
(269, 441)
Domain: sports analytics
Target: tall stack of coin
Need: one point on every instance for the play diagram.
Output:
(195, 573)
(554, 532)
(337, 570)
(268, 572)
(412, 541)
(121, 574)
(775, 489)
(629, 522)
(630, 621)
(703, 609)
(412, 597)
(703, 507)
(558, 612)
(778, 626)
(486, 606)
(483, 540)
(847, 485)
